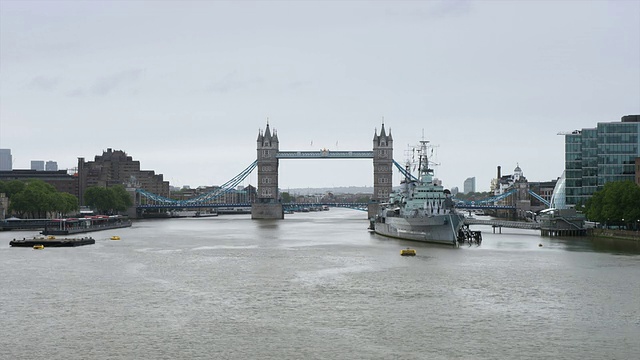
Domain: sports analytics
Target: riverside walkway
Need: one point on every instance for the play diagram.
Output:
(503, 223)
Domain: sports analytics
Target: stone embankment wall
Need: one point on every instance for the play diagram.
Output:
(615, 234)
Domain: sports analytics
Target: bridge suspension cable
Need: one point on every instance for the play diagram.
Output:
(486, 201)
(224, 188)
(542, 200)
(404, 171)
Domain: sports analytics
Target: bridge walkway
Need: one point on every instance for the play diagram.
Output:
(503, 223)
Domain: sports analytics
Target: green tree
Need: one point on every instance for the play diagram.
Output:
(65, 203)
(108, 200)
(9, 188)
(286, 197)
(98, 198)
(35, 200)
(616, 203)
(123, 199)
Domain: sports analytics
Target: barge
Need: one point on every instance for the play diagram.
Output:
(51, 241)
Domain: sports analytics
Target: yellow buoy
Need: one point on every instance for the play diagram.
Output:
(408, 252)
(51, 237)
(38, 247)
(115, 237)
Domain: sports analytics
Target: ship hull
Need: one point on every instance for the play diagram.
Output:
(440, 229)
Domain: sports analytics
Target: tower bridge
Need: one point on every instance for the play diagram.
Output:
(268, 202)
(268, 205)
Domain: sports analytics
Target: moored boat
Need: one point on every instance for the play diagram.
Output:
(421, 210)
(68, 226)
(40, 242)
(206, 214)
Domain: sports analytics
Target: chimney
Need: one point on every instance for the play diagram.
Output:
(498, 172)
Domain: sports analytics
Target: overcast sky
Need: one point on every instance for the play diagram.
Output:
(184, 87)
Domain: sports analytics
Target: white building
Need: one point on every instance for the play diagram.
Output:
(505, 182)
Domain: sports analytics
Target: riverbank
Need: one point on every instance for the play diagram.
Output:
(627, 235)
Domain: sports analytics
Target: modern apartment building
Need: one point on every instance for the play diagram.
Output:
(51, 166)
(596, 156)
(37, 165)
(6, 161)
(470, 185)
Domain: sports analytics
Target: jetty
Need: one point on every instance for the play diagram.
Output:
(499, 224)
(553, 222)
(52, 241)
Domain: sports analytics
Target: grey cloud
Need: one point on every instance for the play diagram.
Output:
(44, 83)
(231, 82)
(433, 10)
(450, 8)
(76, 93)
(105, 85)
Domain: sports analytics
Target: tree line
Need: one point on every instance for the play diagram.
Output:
(36, 199)
(617, 203)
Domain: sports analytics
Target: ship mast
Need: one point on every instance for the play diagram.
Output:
(423, 164)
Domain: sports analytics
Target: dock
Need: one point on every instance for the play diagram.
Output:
(52, 241)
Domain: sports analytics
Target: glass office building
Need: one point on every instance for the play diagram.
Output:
(594, 157)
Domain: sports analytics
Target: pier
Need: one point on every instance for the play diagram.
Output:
(554, 222)
(499, 224)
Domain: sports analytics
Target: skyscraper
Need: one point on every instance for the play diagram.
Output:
(596, 156)
(51, 166)
(470, 185)
(37, 165)
(6, 161)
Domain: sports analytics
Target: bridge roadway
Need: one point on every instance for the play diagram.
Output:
(359, 205)
(503, 223)
(324, 154)
(355, 205)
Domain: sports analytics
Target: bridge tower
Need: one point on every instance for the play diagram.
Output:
(267, 205)
(382, 169)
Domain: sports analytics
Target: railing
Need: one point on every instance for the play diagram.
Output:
(324, 154)
(503, 223)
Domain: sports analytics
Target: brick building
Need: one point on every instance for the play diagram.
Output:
(117, 168)
(60, 179)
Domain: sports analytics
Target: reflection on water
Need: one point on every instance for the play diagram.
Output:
(615, 246)
(598, 244)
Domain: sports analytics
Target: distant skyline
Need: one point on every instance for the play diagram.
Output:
(184, 86)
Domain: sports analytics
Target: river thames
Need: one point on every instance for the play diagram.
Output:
(316, 286)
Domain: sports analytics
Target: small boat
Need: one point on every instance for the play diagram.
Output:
(206, 214)
(408, 252)
(115, 237)
(38, 247)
